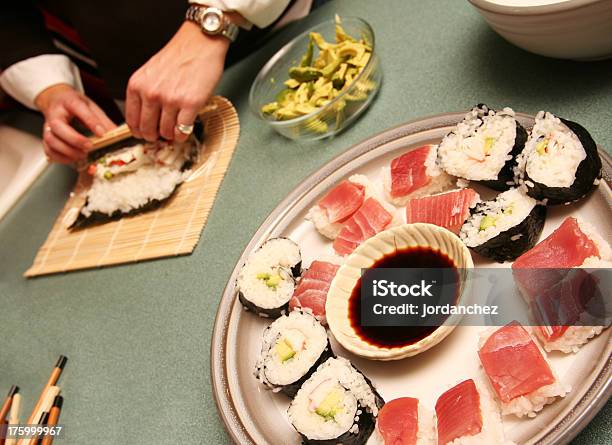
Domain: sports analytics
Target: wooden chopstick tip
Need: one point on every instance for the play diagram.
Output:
(61, 362)
(58, 402)
(14, 390)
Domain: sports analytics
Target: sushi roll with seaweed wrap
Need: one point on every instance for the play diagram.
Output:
(506, 227)
(267, 280)
(292, 349)
(337, 404)
(483, 147)
(560, 163)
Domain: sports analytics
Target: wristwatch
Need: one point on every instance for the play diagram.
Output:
(212, 21)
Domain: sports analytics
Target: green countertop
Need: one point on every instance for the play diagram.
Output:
(138, 336)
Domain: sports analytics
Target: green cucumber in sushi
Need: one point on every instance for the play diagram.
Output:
(337, 404)
(293, 347)
(506, 227)
(560, 163)
(267, 280)
(483, 147)
(134, 179)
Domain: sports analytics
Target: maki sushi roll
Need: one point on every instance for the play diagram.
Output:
(293, 347)
(134, 179)
(560, 163)
(267, 280)
(337, 404)
(506, 227)
(483, 147)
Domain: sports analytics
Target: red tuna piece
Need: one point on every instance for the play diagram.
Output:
(398, 421)
(342, 201)
(312, 290)
(448, 210)
(409, 172)
(458, 411)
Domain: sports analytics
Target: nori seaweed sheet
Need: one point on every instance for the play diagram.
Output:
(501, 247)
(101, 218)
(587, 172)
(505, 177)
(365, 424)
(292, 388)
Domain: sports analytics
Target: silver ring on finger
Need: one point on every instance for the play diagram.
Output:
(185, 129)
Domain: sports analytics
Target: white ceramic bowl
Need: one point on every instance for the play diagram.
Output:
(564, 29)
(364, 256)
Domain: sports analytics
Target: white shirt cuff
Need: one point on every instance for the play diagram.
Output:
(26, 79)
(259, 12)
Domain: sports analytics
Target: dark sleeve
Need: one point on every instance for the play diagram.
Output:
(22, 32)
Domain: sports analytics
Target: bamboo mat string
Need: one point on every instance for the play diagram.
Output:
(172, 229)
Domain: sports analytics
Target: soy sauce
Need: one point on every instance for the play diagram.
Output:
(398, 336)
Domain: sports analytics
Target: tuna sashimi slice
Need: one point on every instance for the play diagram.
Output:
(448, 210)
(398, 421)
(370, 219)
(458, 411)
(343, 200)
(568, 246)
(513, 362)
(409, 171)
(311, 292)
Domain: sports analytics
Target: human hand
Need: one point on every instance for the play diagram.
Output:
(175, 84)
(60, 104)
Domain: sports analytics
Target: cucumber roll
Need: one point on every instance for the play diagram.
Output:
(560, 163)
(267, 279)
(506, 227)
(483, 147)
(337, 404)
(293, 347)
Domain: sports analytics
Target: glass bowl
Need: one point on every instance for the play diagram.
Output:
(339, 112)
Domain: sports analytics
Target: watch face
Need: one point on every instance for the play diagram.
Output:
(212, 22)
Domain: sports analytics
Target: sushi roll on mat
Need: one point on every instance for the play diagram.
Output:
(467, 415)
(293, 347)
(267, 280)
(506, 227)
(134, 179)
(560, 163)
(337, 404)
(518, 371)
(405, 421)
(483, 147)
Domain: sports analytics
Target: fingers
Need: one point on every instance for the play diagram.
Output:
(53, 154)
(58, 146)
(102, 117)
(67, 134)
(168, 122)
(149, 120)
(132, 109)
(80, 109)
(185, 117)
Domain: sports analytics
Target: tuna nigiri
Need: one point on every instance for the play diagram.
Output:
(467, 415)
(448, 210)
(371, 218)
(414, 174)
(405, 421)
(518, 371)
(544, 279)
(311, 292)
(338, 205)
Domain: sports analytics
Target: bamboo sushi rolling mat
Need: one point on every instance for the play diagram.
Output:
(172, 229)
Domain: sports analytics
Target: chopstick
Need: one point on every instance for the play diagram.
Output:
(53, 378)
(53, 418)
(8, 401)
(14, 417)
(123, 132)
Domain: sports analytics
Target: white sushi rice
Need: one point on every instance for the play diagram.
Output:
(439, 180)
(461, 153)
(530, 404)
(276, 256)
(426, 434)
(335, 374)
(605, 252)
(130, 191)
(318, 216)
(308, 339)
(515, 199)
(557, 166)
(492, 428)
